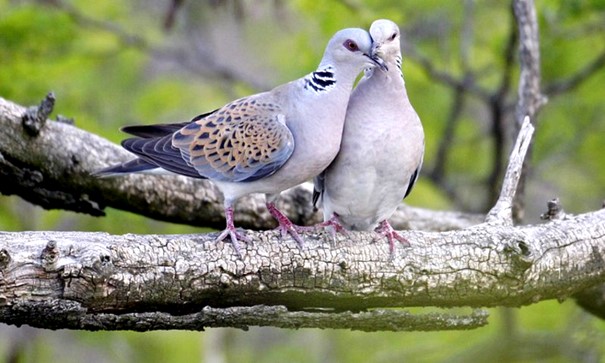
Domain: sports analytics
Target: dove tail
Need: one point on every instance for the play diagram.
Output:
(132, 166)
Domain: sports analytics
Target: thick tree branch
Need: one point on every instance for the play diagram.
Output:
(79, 275)
(52, 170)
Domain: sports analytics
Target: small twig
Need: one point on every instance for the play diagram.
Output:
(34, 118)
(437, 174)
(444, 77)
(567, 84)
(501, 213)
(200, 64)
(555, 211)
(174, 7)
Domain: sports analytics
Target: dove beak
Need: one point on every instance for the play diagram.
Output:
(376, 57)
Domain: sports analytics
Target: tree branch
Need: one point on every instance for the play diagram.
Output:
(83, 277)
(502, 212)
(500, 115)
(530, 98)
(202, 62)
(567, 84)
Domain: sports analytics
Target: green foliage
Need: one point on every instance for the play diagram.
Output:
(29, 52)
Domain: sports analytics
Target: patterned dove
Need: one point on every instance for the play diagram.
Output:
(264, 143)
(382, 147)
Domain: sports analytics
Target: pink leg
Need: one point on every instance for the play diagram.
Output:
(232, 232)
(385, 229)
(286, 226)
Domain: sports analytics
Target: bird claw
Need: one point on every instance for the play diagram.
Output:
(235, 237)
(387, 231)
(286, 226)
(334, 226)
(293, 230)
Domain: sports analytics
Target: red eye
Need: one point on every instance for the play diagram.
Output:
(351, 45)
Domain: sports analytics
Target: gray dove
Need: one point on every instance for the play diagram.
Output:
(381, 151)
(264, 143)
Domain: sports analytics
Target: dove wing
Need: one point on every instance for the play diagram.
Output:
(245, 140)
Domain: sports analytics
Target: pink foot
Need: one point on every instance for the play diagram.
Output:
(385, 229)
(232, 232)
(334, 223)
(286, 226)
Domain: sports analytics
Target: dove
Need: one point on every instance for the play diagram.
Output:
(263, 143)
(381, 151)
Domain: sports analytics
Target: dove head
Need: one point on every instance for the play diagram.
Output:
(386, 40)
(351, 48)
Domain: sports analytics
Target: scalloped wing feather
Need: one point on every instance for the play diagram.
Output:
(245, 140)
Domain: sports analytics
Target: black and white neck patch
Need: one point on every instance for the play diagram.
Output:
(398, 62)
(321, 80)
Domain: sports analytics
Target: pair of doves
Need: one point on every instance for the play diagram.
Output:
(364, 148)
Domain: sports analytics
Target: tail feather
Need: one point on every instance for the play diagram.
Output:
(132, 166)
(159, 130)
(153, 131)
(153, 147)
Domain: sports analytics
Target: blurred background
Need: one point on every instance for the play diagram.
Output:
(113, 63)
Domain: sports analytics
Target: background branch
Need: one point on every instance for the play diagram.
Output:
(531, 98)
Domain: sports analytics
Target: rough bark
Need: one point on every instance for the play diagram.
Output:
(79, 279)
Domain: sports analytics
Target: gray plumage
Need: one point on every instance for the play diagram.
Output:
(382, 147)
(264, 143)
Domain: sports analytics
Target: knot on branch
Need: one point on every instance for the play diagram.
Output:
(87, 279)
(5, 259)
(50, 256)
(93, 266)
(520, 254)
(554, 211)
(35, 117)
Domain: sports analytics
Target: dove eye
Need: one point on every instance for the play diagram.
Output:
(351, 45)
(393, 36)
